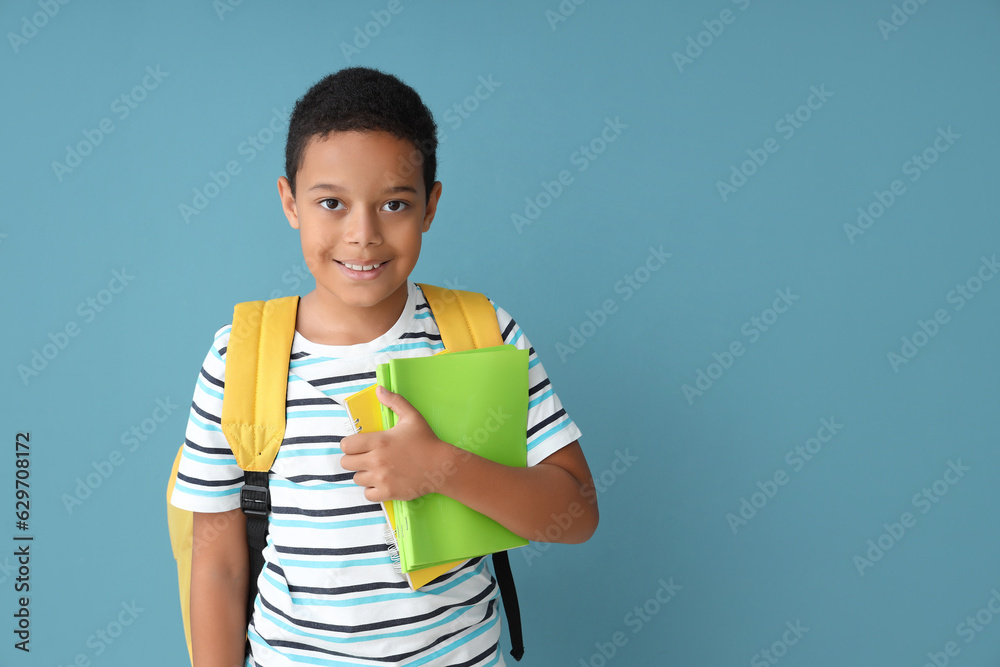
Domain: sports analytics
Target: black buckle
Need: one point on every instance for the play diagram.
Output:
(255, 500)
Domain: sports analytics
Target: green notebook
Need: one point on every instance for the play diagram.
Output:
(476, 400)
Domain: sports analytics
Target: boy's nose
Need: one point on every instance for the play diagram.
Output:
(363, 228)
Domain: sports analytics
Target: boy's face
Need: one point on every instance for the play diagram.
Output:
(360, 202)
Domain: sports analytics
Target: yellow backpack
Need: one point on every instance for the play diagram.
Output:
(253, 421)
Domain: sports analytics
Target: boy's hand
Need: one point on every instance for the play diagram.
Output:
(394, 464)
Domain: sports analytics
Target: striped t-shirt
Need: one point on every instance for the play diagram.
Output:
(328, 593)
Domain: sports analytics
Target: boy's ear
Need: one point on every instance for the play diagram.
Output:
(432, 203)
(288, 202)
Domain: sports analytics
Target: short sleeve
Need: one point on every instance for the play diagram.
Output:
(208, 478)
(550, 427)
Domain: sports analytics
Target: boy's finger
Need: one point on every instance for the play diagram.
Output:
(353, 462)
(394, 402)
(355, 444)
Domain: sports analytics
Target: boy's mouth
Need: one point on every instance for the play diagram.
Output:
(362, 270)
(359, 266)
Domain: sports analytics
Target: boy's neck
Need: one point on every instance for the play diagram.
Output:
(326, 320)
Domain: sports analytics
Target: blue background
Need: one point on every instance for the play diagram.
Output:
(693, 459)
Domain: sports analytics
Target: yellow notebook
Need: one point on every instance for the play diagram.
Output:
(366, 416)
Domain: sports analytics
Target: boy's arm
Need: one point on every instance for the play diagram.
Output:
(220, 571)
(553, 501)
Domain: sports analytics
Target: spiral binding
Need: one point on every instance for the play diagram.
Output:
(390, 543)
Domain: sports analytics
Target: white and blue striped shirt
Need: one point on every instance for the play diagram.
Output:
(329, 594)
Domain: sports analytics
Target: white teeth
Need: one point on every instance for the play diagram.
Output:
(359, 267)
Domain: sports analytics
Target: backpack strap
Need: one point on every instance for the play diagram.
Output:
(511, 609)
(253, 410)
(255, 501)
(253, 405)
(467, 320)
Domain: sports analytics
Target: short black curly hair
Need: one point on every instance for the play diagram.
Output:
(367, 100)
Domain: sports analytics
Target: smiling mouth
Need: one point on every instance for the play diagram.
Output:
(360, 267)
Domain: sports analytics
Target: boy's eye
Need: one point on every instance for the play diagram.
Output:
(395, 205)
(330, 204)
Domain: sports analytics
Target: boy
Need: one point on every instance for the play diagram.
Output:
(360, 188)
